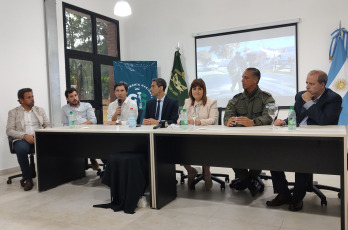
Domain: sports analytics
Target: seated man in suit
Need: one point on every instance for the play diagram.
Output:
(161, 107)
(82, 111)
(118, 111)
(21, 123)
(248, 109)
(315, 106)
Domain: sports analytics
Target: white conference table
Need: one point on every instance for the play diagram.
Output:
(309, 149)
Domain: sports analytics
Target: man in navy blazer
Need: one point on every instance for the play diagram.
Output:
(315, 106)
(161, 107)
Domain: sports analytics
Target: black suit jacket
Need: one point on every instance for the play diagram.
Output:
(170, 109)
(325, 112)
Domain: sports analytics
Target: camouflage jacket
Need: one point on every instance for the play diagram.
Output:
(252, 106)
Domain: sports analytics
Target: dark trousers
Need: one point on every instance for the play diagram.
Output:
(244, 173)
(23, 149)
(280, 184)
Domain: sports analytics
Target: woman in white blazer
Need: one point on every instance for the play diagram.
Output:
(208, 115)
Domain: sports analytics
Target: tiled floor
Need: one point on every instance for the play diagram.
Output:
(70, 207)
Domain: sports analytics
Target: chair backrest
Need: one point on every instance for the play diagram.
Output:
(221, 114)
(10, 143)
(140, 112)
(98, 116)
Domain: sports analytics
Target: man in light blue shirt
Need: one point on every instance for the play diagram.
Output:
(82, 111)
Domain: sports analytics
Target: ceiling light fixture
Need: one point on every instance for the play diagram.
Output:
(122, 8)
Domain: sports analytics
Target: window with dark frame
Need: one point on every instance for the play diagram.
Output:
(91, 44)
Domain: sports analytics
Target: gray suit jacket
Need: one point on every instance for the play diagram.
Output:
(15, 121)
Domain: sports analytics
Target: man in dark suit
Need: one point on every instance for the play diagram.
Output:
(315, 106)
(161, 107)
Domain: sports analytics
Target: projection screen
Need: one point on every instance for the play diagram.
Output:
(222, 58)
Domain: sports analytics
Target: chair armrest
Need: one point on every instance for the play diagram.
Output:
(10, 143)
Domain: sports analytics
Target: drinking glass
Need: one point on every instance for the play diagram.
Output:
(194, 114)
(180, 110)
(272, 111)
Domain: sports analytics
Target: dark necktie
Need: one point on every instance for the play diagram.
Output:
(158, 109)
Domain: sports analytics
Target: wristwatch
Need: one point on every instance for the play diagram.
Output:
(117, 122)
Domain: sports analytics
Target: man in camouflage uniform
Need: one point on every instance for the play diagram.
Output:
(248, 109)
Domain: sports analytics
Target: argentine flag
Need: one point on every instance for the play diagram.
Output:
(338, 73)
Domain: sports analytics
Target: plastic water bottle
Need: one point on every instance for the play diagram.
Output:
(71, 120)
(180, 115)
(184, 120)
(292, 119)
(132, 119)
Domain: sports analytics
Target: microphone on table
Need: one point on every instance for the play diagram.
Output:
(161, 124)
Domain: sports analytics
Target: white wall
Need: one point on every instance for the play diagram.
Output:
(23, 57)
(22, 62)
(151, 33)
(155, 27)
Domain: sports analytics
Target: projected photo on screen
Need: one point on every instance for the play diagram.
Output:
(222, 58)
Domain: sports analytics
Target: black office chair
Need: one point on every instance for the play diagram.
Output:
(199, 177)
(99, 116)
(313, 186)
(183, 176)
(214, 176)
(140, 112)
(31, 161)
(220, 110)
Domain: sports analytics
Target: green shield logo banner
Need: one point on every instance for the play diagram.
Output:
(138, 75)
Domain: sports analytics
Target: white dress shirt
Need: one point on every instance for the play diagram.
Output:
(31, 122)
(125, 109)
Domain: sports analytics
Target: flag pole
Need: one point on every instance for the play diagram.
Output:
(340, 30)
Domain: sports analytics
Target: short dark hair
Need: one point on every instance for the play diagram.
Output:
(120, 83)
(69, 91)
(322, 76)
(160, 82)
(256, 72)
(21, 92)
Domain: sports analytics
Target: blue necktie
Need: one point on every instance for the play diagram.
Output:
(158, 109)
